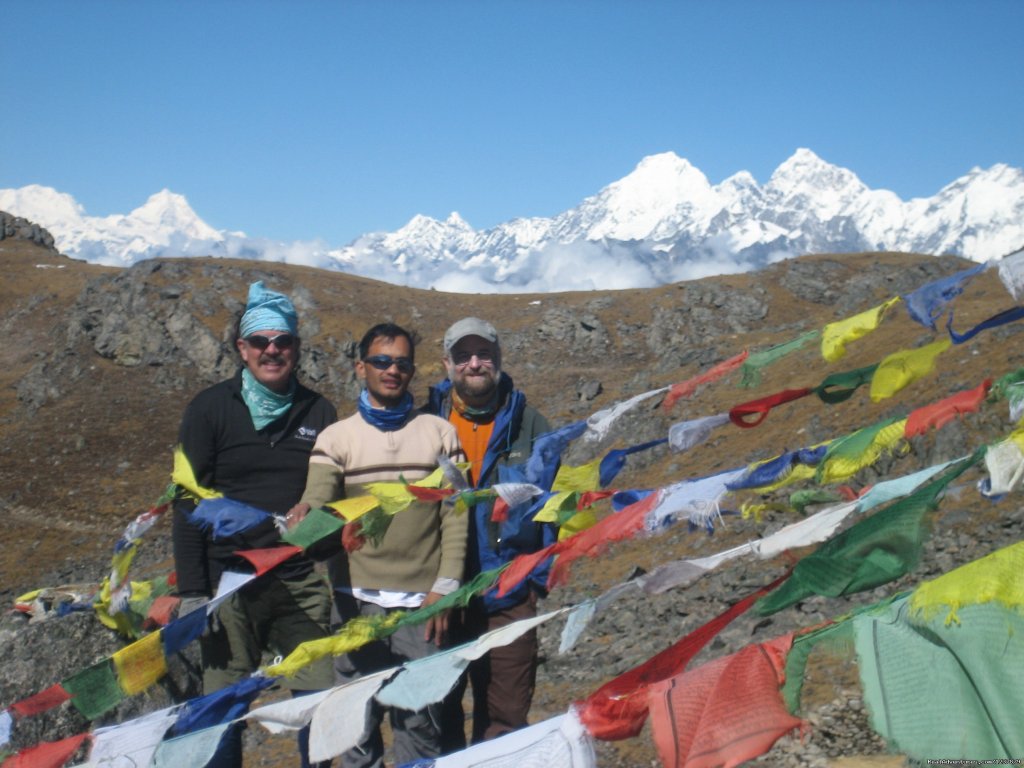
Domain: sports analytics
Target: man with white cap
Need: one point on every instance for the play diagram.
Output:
(496, 429)
(250, 438)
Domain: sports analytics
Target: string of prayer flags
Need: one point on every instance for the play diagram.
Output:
(756, 361)
(686, 388)
(995, 578)
(874, 551)
(739, 414)
(839, 387)
(926, 304)
(1005, 317)
(617, 710)
(835, 336)
(685, 435)
(184, 477)
(950, 690)
(615, 460)
(48, 754)
(599, 423)
(940, 413)
(902, 368)
(725, 712)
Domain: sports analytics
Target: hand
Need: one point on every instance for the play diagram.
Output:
(296, 515)
(436, 629)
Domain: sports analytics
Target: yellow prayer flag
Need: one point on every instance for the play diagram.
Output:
(1018, 437)
(583, 478)
(436, 478)
(141, 591)
(353, 509)
(140, 664)
(579, 522)
(354, 634)
(839, 468)
(183, 476)
(835, 336)
(998, 577)
(904, 367)
(549, 512)
(392, 497)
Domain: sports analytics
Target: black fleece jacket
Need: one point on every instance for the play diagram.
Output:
(265, 469)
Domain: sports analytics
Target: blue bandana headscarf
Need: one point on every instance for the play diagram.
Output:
(268, 310)
(385, 419)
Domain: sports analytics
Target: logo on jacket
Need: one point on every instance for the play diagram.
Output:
(306, 433)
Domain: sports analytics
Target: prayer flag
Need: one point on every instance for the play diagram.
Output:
(686, 388)
(725, 712)
(940, 413)
(48, 754)
(52, 697)
(140, 664)
(756, 361)
(835, 336)
(926, 304)
(94, 690)
(264, 560)
(905, 367)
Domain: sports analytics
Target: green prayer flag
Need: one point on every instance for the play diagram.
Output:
(94, 690)
(459, 598)
(314, 526)
(875, 551)
(373, 525)
(838, 638)
(802, 499)
(853, 445)
(838, 387)
(939, 692)
(752, 366)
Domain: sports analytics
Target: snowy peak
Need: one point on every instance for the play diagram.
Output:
(662, 222)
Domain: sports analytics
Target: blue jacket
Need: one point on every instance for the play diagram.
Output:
(491, 545)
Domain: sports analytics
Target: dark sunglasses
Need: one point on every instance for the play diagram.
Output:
(383, 362)
(281, 341)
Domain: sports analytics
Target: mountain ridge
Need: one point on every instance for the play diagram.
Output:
(661, 223)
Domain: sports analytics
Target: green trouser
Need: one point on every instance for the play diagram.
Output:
(274, 615)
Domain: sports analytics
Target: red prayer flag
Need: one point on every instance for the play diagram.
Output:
(429, 494)
(53, 696)
(738, 414)
(686, 388)
(618, 708)
(352, 538)
(587, 498)
(49, 754)
(265, 559)
(725, 712)
(162, 612)
(944, 411)
(499, 514)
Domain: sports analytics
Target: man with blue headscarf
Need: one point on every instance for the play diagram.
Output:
(250, 438)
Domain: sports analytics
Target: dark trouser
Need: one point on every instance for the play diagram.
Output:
(416, 734)
(272, 614)
(503, 680)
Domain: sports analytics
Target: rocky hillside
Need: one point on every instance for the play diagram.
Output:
(99, 363)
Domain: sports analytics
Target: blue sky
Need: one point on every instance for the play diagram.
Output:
(303, 120)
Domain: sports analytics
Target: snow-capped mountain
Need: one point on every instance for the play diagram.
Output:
(663, 222)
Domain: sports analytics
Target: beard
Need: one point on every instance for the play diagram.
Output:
(476, 388)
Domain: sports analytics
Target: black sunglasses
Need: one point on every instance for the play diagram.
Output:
(281, 341)
(383, 362)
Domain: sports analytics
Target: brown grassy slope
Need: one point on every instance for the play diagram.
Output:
(73, 473)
